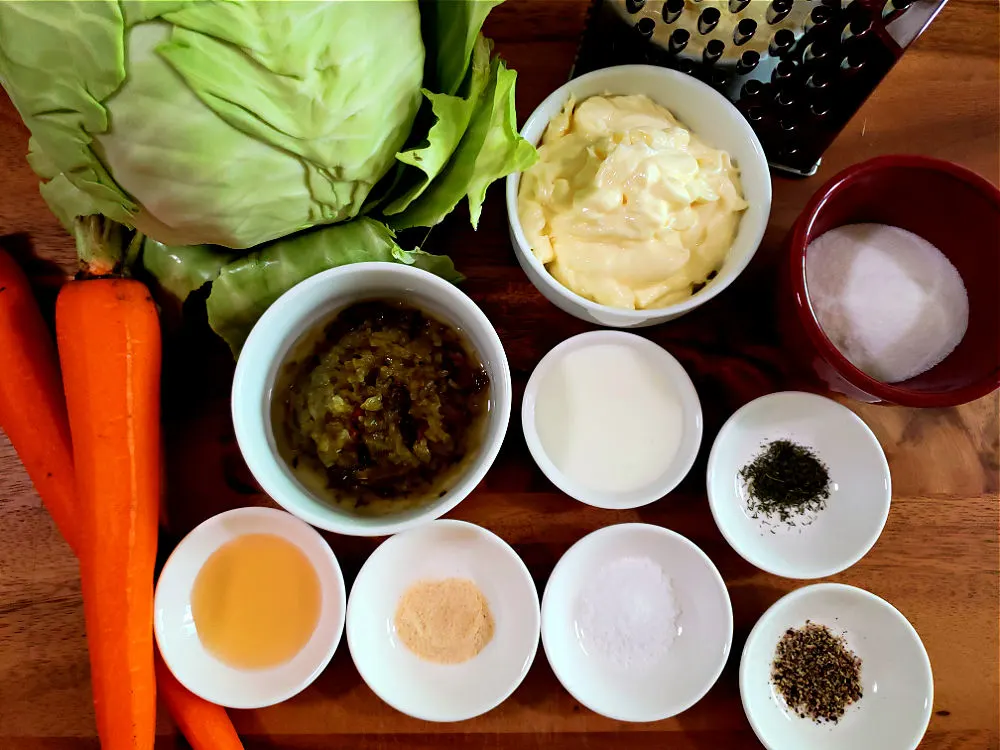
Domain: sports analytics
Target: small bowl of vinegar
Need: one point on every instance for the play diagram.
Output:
(249, 608)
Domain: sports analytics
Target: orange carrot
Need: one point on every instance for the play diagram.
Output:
(108, 338)
(32, 407)
(205, 725)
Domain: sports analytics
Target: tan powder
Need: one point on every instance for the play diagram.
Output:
(447, 621)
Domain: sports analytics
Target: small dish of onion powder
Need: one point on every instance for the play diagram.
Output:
(443, 621)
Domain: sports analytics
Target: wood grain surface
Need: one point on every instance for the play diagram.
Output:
(937, 560)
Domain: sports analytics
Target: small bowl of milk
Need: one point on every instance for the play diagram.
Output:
(612, 419)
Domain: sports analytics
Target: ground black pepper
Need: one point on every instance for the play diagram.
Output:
(786, 481)
(816, 673)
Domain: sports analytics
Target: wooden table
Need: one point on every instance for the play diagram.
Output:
(937, 560)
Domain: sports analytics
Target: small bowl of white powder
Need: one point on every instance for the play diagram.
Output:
(636, 622)
(612, 419)
(895, 280)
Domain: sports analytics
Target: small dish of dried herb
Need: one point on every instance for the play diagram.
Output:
(834, 667)
(786, 482)
(798, 485)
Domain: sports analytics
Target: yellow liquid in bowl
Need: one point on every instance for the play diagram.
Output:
(256, 601)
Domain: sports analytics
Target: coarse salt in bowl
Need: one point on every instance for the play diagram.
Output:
(707, 114)
(896, 680)
(603, 644)
(954, 209)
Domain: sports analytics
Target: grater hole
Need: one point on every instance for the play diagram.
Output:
(783, 71)
(755, 114)
(679, 40)
(854, 61)
(753, 87)
(820, 16)
(748, 61)
(634, 6)
(744, 32)
(819, 109)
(894, 8)
(781, 42)
(777, 11)
(713, 51)
(646, 26)
(708, 20)
(672, 10)
(785, 98)
(718, 78)
(737, 6)
(818, 81)
(816, 52)
(788, 126)
(859, 27)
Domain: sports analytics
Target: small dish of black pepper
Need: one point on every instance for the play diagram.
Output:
(834, 667)
(816, 673)
(798, 485)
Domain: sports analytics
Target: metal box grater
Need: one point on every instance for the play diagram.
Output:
(798, 70)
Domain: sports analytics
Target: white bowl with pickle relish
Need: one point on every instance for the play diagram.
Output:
(355, 464)
(639, 298)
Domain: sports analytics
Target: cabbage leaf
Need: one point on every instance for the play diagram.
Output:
(246, 287)
(452, 115)
(180, 270)
(490, 149)
(450, 29)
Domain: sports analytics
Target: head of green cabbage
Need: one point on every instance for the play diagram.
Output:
(235, 123)
(251, 144)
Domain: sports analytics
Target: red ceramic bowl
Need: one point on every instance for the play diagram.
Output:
(956, 210)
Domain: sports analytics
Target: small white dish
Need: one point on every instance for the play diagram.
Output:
(897, 684)
(710, 116)
(436, 551)
(201, 672)
(861, 487)
(308, 304)
(701, 645)
(680, 384)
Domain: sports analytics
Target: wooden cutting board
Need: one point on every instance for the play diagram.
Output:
(937, 560)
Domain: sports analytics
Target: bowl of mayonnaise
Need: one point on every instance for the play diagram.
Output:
(650, 196)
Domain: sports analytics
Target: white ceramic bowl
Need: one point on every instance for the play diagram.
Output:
(423, 689)
(704, 627)
(897, 684)
(844, 531)
(711, 117)
(680, 383)
(308, 304)
(200, 671)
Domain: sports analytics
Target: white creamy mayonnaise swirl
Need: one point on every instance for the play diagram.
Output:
(626, 206)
